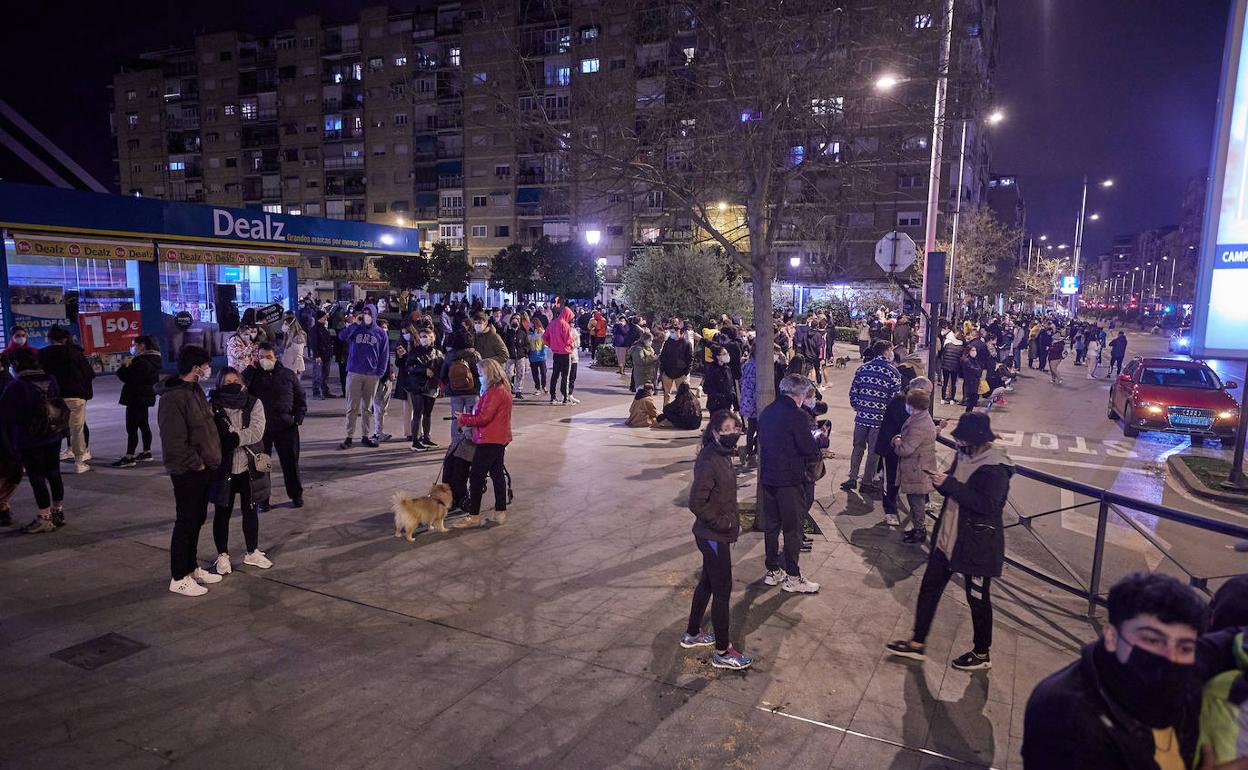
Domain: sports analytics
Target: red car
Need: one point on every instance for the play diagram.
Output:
(1174, 396)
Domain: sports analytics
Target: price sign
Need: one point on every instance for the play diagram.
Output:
(110, 332)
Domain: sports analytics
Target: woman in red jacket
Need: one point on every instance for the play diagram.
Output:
(490, 421)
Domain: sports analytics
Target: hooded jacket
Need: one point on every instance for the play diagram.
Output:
(67, 364)
(973, 536)
(951, 353)
(139, 378)
(188, 432)
(713, 495)
(558, 336)
(369, 346)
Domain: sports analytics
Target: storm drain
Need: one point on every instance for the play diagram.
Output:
(99, 652)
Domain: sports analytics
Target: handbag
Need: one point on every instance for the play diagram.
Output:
(983, 386)
(261, 462)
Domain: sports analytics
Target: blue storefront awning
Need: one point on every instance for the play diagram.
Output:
(529, 195)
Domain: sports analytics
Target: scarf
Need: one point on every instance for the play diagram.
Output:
(963, 468)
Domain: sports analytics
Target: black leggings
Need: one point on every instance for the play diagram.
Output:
(422, 414)
(571, 378)
(751, 435)
(43, 468)
(715, 587)
(136, 424)
(239, 483)
(539, 374)
(935, 578)
(949, 386)
(487, 460)
(560, 369)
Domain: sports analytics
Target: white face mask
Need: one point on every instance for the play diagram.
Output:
(672, 335)
(723, 359)
(426, 341)
(368, 320)
(407, 337)
(750, 335)
(479, 328)
(134, 351)
(267, 364)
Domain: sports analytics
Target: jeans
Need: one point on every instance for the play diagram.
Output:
(571, 377)
(864, 443)
(1018, 358)
(935, 578)
(360, 391)
(286, 441)
(488, 460)
(422, 415)
(190, 496)
(137, 424)
(714, 587)
(539, 375)
(562, 362)
(782, 509)
(320, 378)
(43, 469)
(460, 404)
(77, 419)
(240, 484)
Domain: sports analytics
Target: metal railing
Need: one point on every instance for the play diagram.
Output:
(1107, 502)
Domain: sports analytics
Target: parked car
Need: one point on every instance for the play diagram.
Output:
(1174, 396)
(1181, 341)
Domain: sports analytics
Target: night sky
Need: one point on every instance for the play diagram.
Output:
(1121, 88)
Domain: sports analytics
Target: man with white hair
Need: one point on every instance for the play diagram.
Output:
(895, 415)
(787, 446)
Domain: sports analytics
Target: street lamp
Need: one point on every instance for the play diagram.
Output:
(995, 117)
(795, 263)
(1044, 237)
(722, 206)
(887, 82)
(1095, 217)
(592, 237)
(400, 221)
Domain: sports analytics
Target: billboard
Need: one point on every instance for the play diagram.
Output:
(1220, 317)
(1069, 285)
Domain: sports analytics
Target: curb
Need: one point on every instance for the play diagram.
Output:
(1192, 484)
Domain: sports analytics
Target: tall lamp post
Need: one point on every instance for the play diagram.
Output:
(795, 263)
(1083, 208)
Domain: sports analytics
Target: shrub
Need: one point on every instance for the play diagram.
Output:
(846, 334)
(605, 356)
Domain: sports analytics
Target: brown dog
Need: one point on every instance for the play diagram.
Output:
(410, 512)
(840, 362)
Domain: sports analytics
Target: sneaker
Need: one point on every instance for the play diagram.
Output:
(86, 455)
(732, 659)
(774, 577)
(223, 564)
(573, 400)
(144, 457)
(417, 446)
(915, 536)
(500, 517)
(257, 558)
(428, 442)
(382, 438)
(202, 575)
(187, 587)
(701, 639)
(972, 661)
(799, 585)
(904, 648)
(67, 454)
(848, 486)
(125, 462)
(565, 402)
(368, 442)
(346, 444)
(81, 467)
(58, 518)
(891, 520)
(467, 522)
(40, 525)
(871, 489)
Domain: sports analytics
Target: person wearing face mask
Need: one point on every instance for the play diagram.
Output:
(191, 450)
(675, 360)
(717, 382)
(620, 342)
(368, 358)
(749, 405)
(574, 358)
(419, 375)
(558, 339)
(296, 345)
(321, 348)
(285, 406)
(645, 360)
(385, 390)
(1133, 699)
(874, 385)
(716, 526)
(241, 426)
(915, 449)
(537, 355)
(972, 372)
(490, 420)
(968, 539)
(517, 341)
(67, 364)
(138, 375)
(34, 393)
(240, 351)
(895, 416)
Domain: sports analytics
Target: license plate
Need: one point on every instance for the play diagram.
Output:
(1193, 422)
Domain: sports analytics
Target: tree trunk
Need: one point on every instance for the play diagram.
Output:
(764, 334)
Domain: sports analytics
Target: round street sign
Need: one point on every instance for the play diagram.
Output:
(895, 252)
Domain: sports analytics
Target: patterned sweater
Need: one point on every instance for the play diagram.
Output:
(875, 384)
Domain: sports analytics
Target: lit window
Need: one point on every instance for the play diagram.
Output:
(479, 231)
(748, 115)
(689, 53)
(177, 165)
(132, 118)
(796, 155)
(831, 106)
(333, 122)
(229, 109)
(273, 208)
(131, 95)
(589, 33)
(453, 55)
(400, 61)
(831, 150)
(563, 76)
(651, 234)
(923, 21)
(589, 65)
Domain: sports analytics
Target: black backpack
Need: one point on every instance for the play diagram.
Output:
(50, 418)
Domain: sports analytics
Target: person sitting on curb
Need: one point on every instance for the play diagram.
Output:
(642, 413)
(684, 412)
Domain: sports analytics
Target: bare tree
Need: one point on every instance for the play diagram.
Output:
(1037, 284)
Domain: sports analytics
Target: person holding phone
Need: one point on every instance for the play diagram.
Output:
(968, 539)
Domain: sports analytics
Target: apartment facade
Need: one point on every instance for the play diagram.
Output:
(395, 118)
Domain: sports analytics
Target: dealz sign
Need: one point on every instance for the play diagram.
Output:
(224, 223)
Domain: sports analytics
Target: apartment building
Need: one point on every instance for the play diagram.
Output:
(409, 119)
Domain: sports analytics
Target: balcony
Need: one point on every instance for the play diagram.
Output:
(448, 182)
(344, 162)
(425, 186)
(450, 152)
(535, 176)
(454, 243)
(183, 123)
(451, 212)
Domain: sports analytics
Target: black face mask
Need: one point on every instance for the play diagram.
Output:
(1151, 688)
(234, 388)
(729, 440)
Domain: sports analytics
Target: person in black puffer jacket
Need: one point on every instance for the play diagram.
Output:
(36, 440)
(950, 364)
(717, 381)
(284, 408)
(139, 375)
(684, 411)
(65, 362)
(716, 526)
(418, 372)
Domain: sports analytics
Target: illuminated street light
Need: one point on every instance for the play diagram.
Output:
(1094, 217)
(592, 237)
(400, 221)
(722, 206)
(996, 117)
(1107, 183)
(795, 261)
(886, 82)
(1063, 246)
(1044, 237)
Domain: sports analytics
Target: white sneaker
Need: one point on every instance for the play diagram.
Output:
(774, 577)
(257, 558)
(891, 520)
(81, 467)
(799, 585)
(204, 576)
(67, 454)
(187, 587)
(574, 399)
(86, 455)
(223, 564)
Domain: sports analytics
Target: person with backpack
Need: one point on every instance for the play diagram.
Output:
(64, 361)
(191, 449)
(285, 406)
(459, 369)
(418, 371)
(138, 374)
(490, 420)
(35, 419)
(368, 359)
(240, 418)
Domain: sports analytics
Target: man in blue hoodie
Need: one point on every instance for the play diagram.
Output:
(368, 354)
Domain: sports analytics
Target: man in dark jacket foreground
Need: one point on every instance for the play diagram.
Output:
(1132, 700)
(968, 539)
(285, 405)
(192, 450)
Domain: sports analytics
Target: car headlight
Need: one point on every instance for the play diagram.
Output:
(1152, 408)
(1228, 414)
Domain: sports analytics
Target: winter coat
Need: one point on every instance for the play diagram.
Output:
(558, 335)
(1118, 347)
(321, 342)
(749, 390)
(894, 417)
(979, 543)
(239, 352)
(470, 357)
(139, 378)
(490, 344)
(517, 340)
(619, 335)
(188, 432)
(684, 414)
(951, 353)
(19, 401)
(68, 366)
(246, 420)
(717, 386)
(293, 353)
(972, 371)
(285, 403)
(491, 416)
(414, 371)
(915, 447)
(874, 385)
(368, 346)
(713, 496)
(537, 347)
(642, 413)
(676, 357)
(902, 334)
(598, 325)
(785, 444)
(645, 364)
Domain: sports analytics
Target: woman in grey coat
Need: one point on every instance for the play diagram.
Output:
(915, 446)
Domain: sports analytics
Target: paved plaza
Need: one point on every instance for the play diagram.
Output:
(545, 643)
